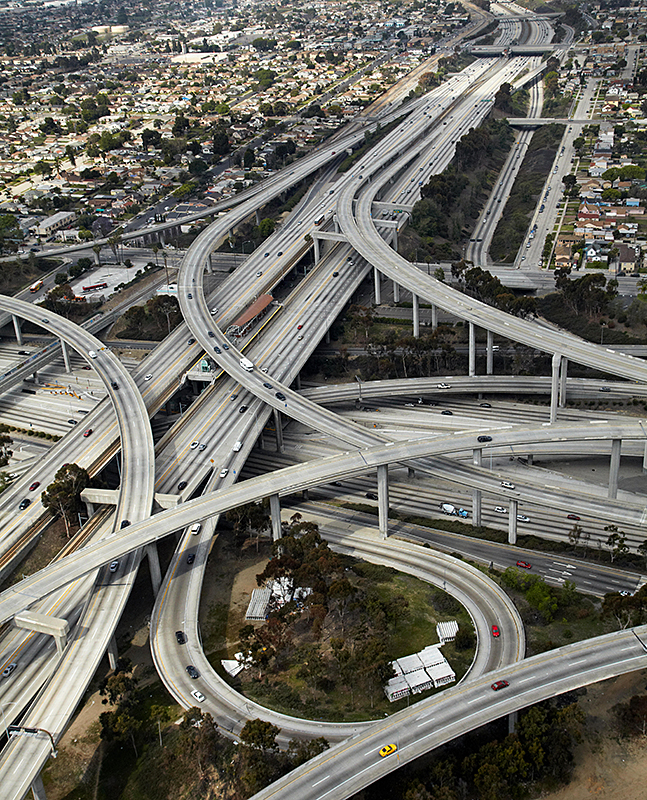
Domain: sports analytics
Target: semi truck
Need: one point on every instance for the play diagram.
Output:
(448, 508)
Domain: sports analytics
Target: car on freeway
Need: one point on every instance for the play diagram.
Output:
(500, 510)
(202, 447)
(214, 310)
(211, 334)
(299, 327)
(24, 503)
(72, 421)
(193, 445)
(148, 377)
(195, 528)
(114, 384)
(280, 395)
(625, 593)
(604, 389)
(258, 274)
(335, 274)
(524, 564)
(191, 341)
(233, 396)
(264, 370)
(387, 750)
(484, 439)
(443, 386)
(371, 495)
(499, 685)
(216, 349)
(507, 485)
(34, 485)
(522, 518)
(224, 472)
(114, 566)
(180, 637)
(268, 385)
(225, 346)
(190, 558)
(572, 516)
(189, 295)
(198, 696)
(243, 409)
(495, 631)
(193, 672)
(447, 412)
(6, 672)
(485, 405)
(125, 523)
(87, 433)
(410, 405)
(182, 485)
(336, 483)
(299, 337)
(237, 446)
(280, 253)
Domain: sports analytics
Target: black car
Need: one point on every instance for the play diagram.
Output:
(335, 274)
(243, 409)
(211, 334)
(182, 485)
(280, 395)
(485, 405)
(337, 483)
(189, 295)
(125, 523)
(24, 503)
(371, 495)
(72, 421)
(114, 384)
(447, 412)
(190, 558)
(191, 341)
(268, 385)
(484, 438)
(181, 638)
(193, 672)
(217, 349)
(225, 346)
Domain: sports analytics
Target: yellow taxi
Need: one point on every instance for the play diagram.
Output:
(387, 750)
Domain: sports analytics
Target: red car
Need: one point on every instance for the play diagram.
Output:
(572, 516)
(34, 485)
(495, 631)
(299, 327)
(499, 685)
(87, 433)
(524, 564)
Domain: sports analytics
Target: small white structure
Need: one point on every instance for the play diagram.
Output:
(275, 594)
(168, 288)
(446, 631)
(427, 669)
(258, 605)
(232, 667)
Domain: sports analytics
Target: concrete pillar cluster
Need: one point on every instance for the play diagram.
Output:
(472, 350)
(489, 358)
(378, 288)
(383, 499)
(512, 521)
(614, 468)
(416, 316)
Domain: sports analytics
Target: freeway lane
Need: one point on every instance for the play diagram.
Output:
(350, 766)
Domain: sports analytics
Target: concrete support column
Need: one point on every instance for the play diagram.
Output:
(258, 216)
(17, 326)
(614, 468)
(383, 499)
(297, 382)
(327, 337)
(512, 521)
(113, 653)
(316, 248)
(416, 316)
(472, 350)
(37, 789)
(66, 356)
(411, 473)
(513, 716)
(89, 508)
(230, 233)
(278, 425)
(97, 259)
(477, 456)
(154, 566)
(563, 372)
(530, 459)
(305, 494)
(60, 642)
(335, 222)
(395, 239)
(554, 385)
(396, 292)
(434, 317)
(489, 357)
(209, 264)
(645, 458)
(476, 507)
(376, 281)
(275, 515)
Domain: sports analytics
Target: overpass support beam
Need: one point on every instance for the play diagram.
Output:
(113, 653)
(512, 521)
(489, 356)
(396, 292)
(554, 386)
(154, 566)
(275, 516)
(37, 789)
(563, 372)
(383, 499)
(614, 468)
(209, 264)
(434, 317)
(317, 251)
(472, 350)
(278, 425)
(66, 356)
(17, 326)
(416, 316)
(376, 282)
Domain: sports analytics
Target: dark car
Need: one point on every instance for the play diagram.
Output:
(211, 334)
(193, 672)
(280, 395)
(182, 485)
(225, 346)
(190, 558)
(447, 412)
(335, 274)
(189, 295)
(337, 483)
(266, 255)
(181, 638)
(524, 565)
(242, 409)
(604, 389)
(72, 421)
(495, 631)
(24, 503)
(114, 384)
(495, 686)
(371, 495)
(572, 516)
(124, 523)
(217, 349)
(484, 439)
(485, 405)
(191, 341)
(87, 433)
(268, 385)
(34, 485)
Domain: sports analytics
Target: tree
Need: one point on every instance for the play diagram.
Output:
(642, 550)
(5, 442)
(266, 227)
(260, 735)
(150, 138)
(616, 541)
(62, 496)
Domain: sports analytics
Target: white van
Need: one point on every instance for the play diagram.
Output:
(196, 528)
(246, 364)
(237, 447)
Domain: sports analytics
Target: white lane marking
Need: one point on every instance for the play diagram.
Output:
(321, 780)
(581, 661)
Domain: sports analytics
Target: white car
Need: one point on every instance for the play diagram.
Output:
(507, 485)
(214, 310)
(500, 510)
(443, 386)
(195, 528)
(148, 377)
(522, 518)
(264, 370)
(193, 445)
(224, 472)
(198, 696)
(6, 672)
(114, 566)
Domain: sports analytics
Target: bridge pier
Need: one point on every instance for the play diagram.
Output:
(645, 458)
(396, 292)
(489, 357)
(66, 356)
(209, 264)
(563, 372)
(258, 216)
(17, 326)
(154, 566)
(416, 316)
(472, 350)
(554, 386)
(434, 317)
(327, 336)
(411, 473)
(317, 252)
(513, 716)
(512, 521)
(113, 653)
(278, 426)
(383, 499)
(614, 468)
(477, 460)
(376, 282)
(297, 382)
(275, 516)
(37, 789)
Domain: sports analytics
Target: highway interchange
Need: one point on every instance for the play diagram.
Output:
(433, 123)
